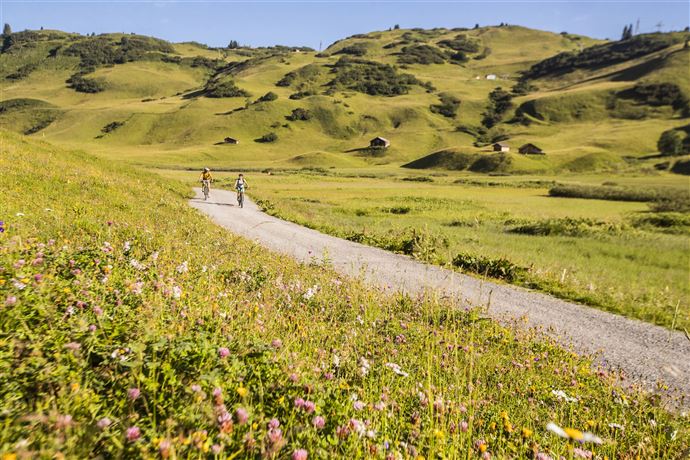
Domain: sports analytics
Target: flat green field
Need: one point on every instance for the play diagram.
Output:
(602, 253)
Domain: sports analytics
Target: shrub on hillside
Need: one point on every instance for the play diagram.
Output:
(448, 107)
(299, 114)
(601, 55)
(110, 127)
(681, 167)
(268, 97)
(356, 49)
(372, 78)
(86, 85)
(421, 54)
(499, 104)
(522, 87)
(267, 138)
(302, 94)
(674, 142)
(461, 43)
(227, 88)
(22, 72)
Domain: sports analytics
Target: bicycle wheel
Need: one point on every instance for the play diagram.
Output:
(240, 200)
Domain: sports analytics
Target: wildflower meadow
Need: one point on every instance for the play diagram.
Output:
(132, 327)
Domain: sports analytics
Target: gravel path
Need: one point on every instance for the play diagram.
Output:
(645, 352)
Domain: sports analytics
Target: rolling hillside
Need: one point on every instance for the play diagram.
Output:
(590, 105)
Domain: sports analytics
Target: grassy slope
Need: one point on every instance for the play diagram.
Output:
(110, 282)
(176, 131)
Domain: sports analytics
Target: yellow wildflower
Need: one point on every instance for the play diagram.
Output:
(9, 456)
(242, 391)
(526, 432)
(482, 447)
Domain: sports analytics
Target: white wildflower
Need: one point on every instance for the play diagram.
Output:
(571, 433)
(364, 366)
(136, 264)
(177, 292)
(127, 246)
(396, 368)
(18, 285)
(336, 361)
(560, 394)
(183, 267)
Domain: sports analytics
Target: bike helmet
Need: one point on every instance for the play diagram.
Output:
(206, 170)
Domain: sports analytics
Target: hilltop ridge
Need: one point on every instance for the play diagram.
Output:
(583, 101)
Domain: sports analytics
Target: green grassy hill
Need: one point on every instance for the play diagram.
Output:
(590, 105)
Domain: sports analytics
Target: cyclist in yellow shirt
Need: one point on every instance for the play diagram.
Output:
(206, 178)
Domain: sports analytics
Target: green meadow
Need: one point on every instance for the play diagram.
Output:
(134, 328)
(616, 255)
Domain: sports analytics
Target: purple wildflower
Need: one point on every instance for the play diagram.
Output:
(309, 407)
(319, 422)
(277, 343)
(133, 433)
(299, 454)
(223, 352)
(10, 300)
(104, 423)
(133, 393)
(242, 415)
(273, 423)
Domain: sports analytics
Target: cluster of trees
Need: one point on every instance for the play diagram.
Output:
(601, 55)
(627, 32)
(233, 45)
(97, 51)
(448, 107)
(6, 37)
(421, 54)
(500, 101)
(659, 94)
(373, 78)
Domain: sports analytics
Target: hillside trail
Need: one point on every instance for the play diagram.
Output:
(647, 354)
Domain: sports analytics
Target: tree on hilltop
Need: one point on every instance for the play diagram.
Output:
(233, 44)
(7, 30)
(627, 32)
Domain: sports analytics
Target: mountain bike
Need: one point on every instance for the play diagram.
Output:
(240, 197)
(206, 188)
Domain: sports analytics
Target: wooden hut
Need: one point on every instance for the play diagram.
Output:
(501, 147)
(231, 140)
(530, 149)
(379, 143)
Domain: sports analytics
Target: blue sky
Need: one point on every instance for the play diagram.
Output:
(311, 23)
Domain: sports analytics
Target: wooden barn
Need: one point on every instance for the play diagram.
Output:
(231, 140)
(379, 143)
(501, 147)
(530, 149)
